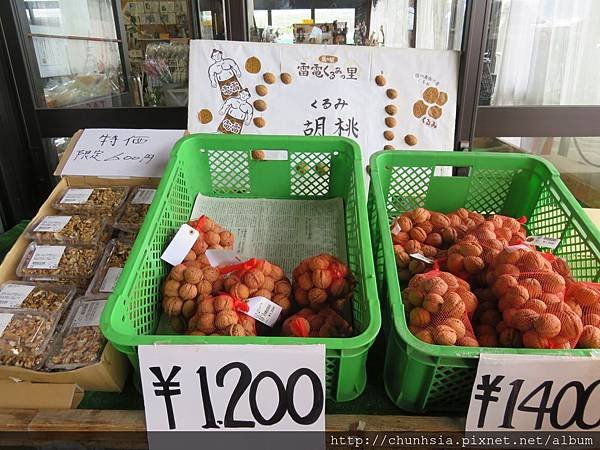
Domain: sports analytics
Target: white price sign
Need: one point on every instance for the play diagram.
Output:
(115, 152)
(535, 393)
(233, 387)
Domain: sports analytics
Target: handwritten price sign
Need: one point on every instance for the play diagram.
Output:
(115, 152)
(535, 393)
(233, 387)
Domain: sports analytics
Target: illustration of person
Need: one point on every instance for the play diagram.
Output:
(238, 111)
(224, 72)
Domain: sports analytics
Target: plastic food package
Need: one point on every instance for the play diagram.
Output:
(136, 208)
(35, 296)
(324, 281)
(70, 230)
(97, 201)
(80, 284)
(80, 341)
(437, 305)
(25, 333)
(110, 267)
(58, 262)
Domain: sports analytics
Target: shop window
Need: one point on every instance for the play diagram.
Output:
(542, 52)
(577, 159)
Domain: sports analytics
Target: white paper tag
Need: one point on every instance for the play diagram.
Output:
(12, 295)
(110, 279)
(5, 319)
(264, 310)
(180, 245)
(52, 224)
(46, 257)
(543, 241)
(76, 196)
(143, 196)
(423, 258)
(218, 258)
(88, 314)
(396, 229)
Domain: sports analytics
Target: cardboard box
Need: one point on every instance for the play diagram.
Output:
(29, 388)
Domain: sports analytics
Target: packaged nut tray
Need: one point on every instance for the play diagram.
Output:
(80, 284)
(76, 230)
(92, 200)
(135, 209)
(40, 297)
(58, 262)
(111, 266)
(25, 333)
(80, 342)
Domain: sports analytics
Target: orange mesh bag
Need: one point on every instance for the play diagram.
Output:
(185, 285)
(438, 305)
(585, 297)
(422, 231)
(323, 281)
(259, 278)
(212, 236)
(221, 315)
(469, 257)
(323, 323)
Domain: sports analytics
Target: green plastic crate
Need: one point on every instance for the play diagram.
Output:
(221, 166)
(422, 377)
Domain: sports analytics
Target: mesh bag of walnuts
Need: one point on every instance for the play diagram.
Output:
(529, 309)
(259, 278)
(480, 246)
(212, 236)
(184, 287)
(586, 296)
(438, 305)
(324, 281)
(221, 315)
(323, 323)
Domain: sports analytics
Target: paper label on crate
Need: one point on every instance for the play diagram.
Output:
(423, 258)
(218, 258)
(180, 245)
(143, 197)
(110, 279)
(5, 319)
(46, 257)
(12, 295)
(263, 310)
(52, 224)
(88, 314)
(396, 229)
(76, 196)
(543, 241)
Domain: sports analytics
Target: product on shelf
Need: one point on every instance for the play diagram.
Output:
(35, 296)
(136, 208)
(97, 201)
(80, 342)
(25, 332)
(585, 297)
(110, 267)
(438, 305)
(71, 230)
(323, 281)
(58, 261)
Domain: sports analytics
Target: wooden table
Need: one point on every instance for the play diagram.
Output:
(126, 429)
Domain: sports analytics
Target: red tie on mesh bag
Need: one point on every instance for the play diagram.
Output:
(438, 305)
